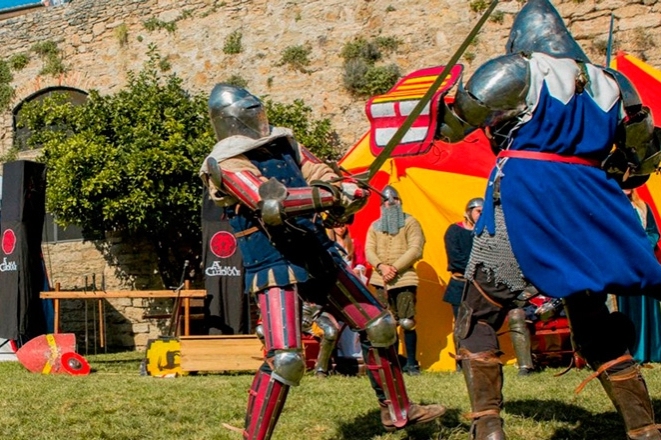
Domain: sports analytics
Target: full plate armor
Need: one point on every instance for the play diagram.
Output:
(569, 135)
(273, 189)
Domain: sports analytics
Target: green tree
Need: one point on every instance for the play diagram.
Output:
(317, 135)
(128, 162)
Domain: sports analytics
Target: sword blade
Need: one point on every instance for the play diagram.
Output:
(404, 128)
(609, 46)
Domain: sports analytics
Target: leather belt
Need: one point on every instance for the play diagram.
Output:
(458, 276)
(246, 232)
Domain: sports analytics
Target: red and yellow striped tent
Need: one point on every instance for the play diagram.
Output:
(436, 179)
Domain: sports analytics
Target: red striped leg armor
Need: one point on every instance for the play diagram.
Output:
(383, 366)
(280, 318)
(279, 308)
(361, 310)
(265, 402)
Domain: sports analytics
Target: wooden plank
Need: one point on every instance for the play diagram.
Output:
(221, 353)
(200, 293)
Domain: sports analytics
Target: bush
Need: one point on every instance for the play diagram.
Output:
(296, 56)
(233, 44)
(362, 77)
(316, 135)
(237, 80)
(19, 61)
(128, 162)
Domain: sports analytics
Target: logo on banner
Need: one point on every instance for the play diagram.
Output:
(218, 270)
(223, 244)
(8, 242)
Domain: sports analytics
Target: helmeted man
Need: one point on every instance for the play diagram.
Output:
(394, 243)
(272, 189)
(458, 240)
(568, 134)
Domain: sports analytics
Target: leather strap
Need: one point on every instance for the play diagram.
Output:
(486, 412)
(638, 433)
(603, 368)
(246, 232)
(550, 157)
(484, 294)
(458, 276)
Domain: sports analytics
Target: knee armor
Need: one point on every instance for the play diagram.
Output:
(288, 366)
(382, 332)
(407, 323)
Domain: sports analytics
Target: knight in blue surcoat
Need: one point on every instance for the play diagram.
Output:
(568, 135)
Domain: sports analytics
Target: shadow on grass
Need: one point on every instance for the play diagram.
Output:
(369, 425)
(585, 424)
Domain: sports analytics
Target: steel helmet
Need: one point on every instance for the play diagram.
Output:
(389, 194)
(234, 111)
(538, 27)
(476, 202)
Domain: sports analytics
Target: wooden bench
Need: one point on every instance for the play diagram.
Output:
(57, 295)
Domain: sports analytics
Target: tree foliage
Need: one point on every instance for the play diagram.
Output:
(317, 135)
(128, 161)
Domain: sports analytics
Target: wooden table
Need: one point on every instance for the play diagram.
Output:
(58, 295)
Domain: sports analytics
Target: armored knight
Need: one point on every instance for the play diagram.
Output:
(568, 135)
(272, 189)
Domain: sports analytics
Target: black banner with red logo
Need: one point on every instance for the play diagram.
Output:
(226, 306)
(21, 268)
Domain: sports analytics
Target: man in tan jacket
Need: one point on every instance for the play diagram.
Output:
(394, 243)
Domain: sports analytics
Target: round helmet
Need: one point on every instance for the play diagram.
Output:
(538, 27)
(476, 202)
(389, 194)
(235, 111)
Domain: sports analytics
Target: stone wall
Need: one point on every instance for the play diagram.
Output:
(114, 264)
(89, 33)
(102, 41)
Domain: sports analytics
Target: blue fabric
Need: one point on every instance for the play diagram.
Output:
(304, 250)
(645, 312)
(571, 228)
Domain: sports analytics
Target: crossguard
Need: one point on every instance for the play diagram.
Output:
(359, 179)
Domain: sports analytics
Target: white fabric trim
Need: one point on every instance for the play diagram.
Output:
(235, 145)
(560, 77)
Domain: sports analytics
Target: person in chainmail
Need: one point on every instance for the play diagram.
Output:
(569, 136)
(394, 243)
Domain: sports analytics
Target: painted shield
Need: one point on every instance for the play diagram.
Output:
(53, 354)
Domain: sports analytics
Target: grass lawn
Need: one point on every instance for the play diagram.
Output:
(115, 402)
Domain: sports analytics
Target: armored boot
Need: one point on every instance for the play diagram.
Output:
(265, 402)
(385, 374)
(484, 380)
(520, 336)
(628, 392)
